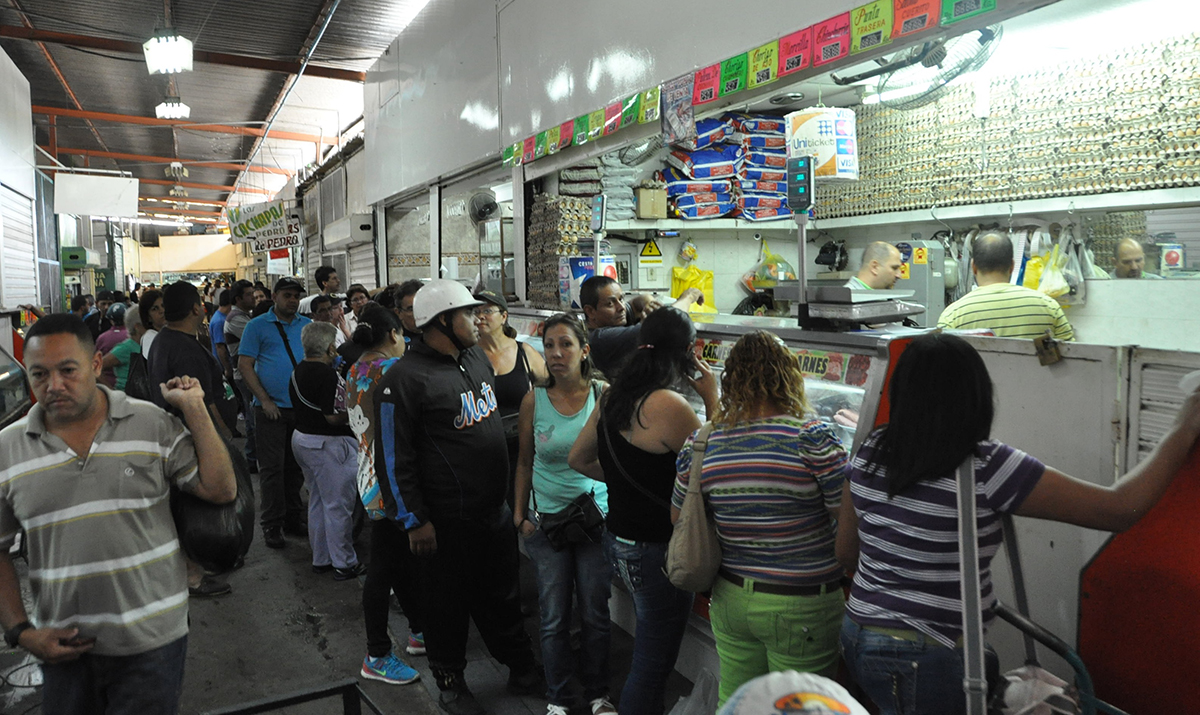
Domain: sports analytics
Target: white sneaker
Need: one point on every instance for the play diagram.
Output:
(552, 709)
(603, 706)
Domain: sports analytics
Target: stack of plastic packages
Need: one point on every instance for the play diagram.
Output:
(761, 181)
(582, 179)
(700, 172)
(618, 181)
(557, 224)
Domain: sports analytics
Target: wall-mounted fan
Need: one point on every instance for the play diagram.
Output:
(947, 60)
(483, 207)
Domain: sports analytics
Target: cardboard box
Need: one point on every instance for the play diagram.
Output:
(651, 203)
(574, 270)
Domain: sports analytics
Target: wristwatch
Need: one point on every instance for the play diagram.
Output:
(13, 635)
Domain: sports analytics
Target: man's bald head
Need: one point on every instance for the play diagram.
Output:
(992, 255)
(1129, 259)
(880, 265)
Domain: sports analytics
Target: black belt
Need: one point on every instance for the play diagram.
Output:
(782, 589)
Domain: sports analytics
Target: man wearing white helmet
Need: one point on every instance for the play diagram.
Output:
(441, 448)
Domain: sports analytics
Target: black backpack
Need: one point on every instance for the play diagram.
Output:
(137, 383)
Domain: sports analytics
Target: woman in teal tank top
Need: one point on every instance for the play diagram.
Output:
(551, 417)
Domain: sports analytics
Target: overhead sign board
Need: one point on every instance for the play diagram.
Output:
(269, 220)
(271, 243)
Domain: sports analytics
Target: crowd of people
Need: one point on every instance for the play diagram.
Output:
(420, 413)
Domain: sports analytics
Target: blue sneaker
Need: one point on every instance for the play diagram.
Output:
(389, 669)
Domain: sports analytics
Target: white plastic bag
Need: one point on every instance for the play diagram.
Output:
(1053, 283)
(703, 698)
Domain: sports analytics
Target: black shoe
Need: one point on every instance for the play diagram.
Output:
(458, 700)
(530, 683)
(349, 572)
(296, 529)
(322, 569)
(273, 537)
(208, 588)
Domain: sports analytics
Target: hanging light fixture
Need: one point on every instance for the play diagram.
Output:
(168, 52)
(172, 108)
(176, 171)
(178, 190)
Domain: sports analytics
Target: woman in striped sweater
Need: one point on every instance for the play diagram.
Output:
(773, 480)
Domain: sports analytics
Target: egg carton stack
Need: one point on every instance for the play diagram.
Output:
(700, 171)
(761, 182)
(556, 226)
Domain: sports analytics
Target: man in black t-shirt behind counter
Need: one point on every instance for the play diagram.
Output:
(604, 308)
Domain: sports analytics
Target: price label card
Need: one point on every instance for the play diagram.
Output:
(795, 51)
(539, 145)
(581, 130)
(912, 16)
(764, 65)
(566, 134)
(630, 109)
(508, 156)
(649, 110)
(831, 40)
(705, 83)
(518, 150)
(612, 118)
(596, 125)
(529, 150)
(958, 10)
(553, 137)
(733, 74)
(871, 26)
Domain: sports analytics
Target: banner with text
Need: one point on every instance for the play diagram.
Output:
(266, 226)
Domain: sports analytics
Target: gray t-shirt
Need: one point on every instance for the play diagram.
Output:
(235, 324)
(612, 345)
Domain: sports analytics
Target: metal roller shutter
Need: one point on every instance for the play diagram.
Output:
(18, 262)
(362, 265)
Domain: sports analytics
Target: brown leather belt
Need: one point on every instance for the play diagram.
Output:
(782, 589)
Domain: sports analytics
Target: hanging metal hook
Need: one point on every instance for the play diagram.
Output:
(933, 213)
(1010, 217)
(1071, 209)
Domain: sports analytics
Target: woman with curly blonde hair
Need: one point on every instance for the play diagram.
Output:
(773, 481)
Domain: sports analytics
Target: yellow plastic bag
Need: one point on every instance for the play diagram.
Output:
(769, 270)
(693, 277)
(1053, 282)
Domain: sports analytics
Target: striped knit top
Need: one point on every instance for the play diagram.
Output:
(770, 484)
(908, 573)
(1009, 311)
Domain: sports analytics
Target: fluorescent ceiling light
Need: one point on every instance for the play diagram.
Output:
(143, 221)
(172, 108)
(168, 53)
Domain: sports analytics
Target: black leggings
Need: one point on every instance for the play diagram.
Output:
(392, 568)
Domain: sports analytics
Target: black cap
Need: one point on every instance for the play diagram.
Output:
(104, 295)
(288, 283)
(178, 299)
(491, 296)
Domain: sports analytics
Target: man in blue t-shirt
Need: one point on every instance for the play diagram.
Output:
(216, 334)
(269, 350)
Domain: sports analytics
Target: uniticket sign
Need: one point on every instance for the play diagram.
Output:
(268, 220)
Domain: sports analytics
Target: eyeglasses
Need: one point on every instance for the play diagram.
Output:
(405, 310)
(484, 312)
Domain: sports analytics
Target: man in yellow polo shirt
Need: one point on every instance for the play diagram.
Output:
(1009, 311)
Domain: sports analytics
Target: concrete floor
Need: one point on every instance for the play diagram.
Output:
(285, 629)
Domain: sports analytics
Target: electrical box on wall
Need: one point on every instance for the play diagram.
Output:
(79, 257)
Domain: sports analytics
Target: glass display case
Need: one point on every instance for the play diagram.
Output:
(15, 397)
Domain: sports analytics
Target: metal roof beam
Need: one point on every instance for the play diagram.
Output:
(147, 159)
(214, 58)
(207, 187)
(181, 124)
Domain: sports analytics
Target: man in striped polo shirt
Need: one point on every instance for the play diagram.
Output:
(1009, 311)
(87, 474)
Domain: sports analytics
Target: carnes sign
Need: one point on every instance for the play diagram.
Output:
(270, 224)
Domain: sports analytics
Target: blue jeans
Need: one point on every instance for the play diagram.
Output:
(662, 614)
(578, 570)
(903, 677)
(148, 683)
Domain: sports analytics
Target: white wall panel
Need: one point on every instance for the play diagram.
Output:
(556, 65)
(18, 265)
(16, 129)
(446, 114)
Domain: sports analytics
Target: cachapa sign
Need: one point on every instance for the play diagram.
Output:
(258, 222)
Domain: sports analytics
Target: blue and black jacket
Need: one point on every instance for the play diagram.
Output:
(440, 451)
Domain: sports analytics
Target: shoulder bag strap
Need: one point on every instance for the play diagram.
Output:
(612, 453)
(299, 394)
(286, 344)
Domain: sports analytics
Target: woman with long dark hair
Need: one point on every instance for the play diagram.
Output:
(901, 636)
(772, 478)
(631, 443)
(551, 417)
(379, 335)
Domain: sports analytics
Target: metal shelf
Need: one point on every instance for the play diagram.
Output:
(722, 224)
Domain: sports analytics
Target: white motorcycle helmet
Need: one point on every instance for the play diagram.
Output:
(438, 296)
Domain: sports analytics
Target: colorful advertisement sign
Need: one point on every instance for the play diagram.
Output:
(705, 84)
(795, 51)
(831, 40)
(764, 65)
(870, 26)
(958, 10)
(912, 16)
(733, 74)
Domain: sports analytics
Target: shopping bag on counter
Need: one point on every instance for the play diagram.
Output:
(769, 270)
(1038, 252)
(693, 277)
(1073, 270)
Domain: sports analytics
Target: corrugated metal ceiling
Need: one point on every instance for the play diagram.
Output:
(116, 81)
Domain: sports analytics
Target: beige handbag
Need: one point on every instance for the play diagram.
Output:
(694, 552)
